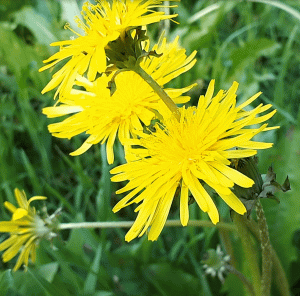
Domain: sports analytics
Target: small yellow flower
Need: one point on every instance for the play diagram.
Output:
(25, 229)
(104, 22)
(198, 148)
(103, 116)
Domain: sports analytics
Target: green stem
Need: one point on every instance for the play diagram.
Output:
(226, 241)
(128, 224)
(159, 91)
(266, 250)
(250, 254)
(280, 279)
(242, 278)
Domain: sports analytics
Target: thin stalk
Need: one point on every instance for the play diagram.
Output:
(250, 254)
(128, 224)
(266, 278)
(227, 244)
(242, 278)
(280, 279)
(159, 91)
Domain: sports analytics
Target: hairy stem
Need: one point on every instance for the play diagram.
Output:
(266, 250)
(280, 278)
(249, 251)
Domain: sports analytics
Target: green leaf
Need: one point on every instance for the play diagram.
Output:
(79, 238)
(249, 52)
(37, 24)
(6, 281)
(202, 35)
(233, 286)
(51, 289)
(170, 280)
(31, 173)
(48, 271)
(91, 279)
(14, 51)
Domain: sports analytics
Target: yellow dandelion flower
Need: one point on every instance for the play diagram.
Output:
(25, 229)
(198, 148)
(103, 116)
(104, 22)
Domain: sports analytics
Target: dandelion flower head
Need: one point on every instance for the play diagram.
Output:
(25, 230)
(134, 103)
(190, 153)
(104, 22)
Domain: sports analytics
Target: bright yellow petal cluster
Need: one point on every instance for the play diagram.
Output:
(104, 22)
(24, 234)
(189, 153)
(104, 117)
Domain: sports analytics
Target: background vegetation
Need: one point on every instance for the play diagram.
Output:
(256, 44)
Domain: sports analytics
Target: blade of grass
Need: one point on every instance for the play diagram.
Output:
(287, 54)
(203, 12)
(293, 12)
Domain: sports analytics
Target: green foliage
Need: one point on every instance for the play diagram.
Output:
(256, 44)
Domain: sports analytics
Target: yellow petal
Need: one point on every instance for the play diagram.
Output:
(162, 214)
(10, 206)
(209, 92)
(196, 190)
(110, 145)
(256, 145)
(249, 101)
(84, 147)
(24, 255)
(9, 242)
(21, 198)
(213, 213)
(238, 153)
(184, 204)
(52, 112)
(19, 214)
(12, 251)
(37, 197)
(233, 202)
(234, 175)
(7, 226)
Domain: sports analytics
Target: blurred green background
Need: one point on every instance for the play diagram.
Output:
(256, 44)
